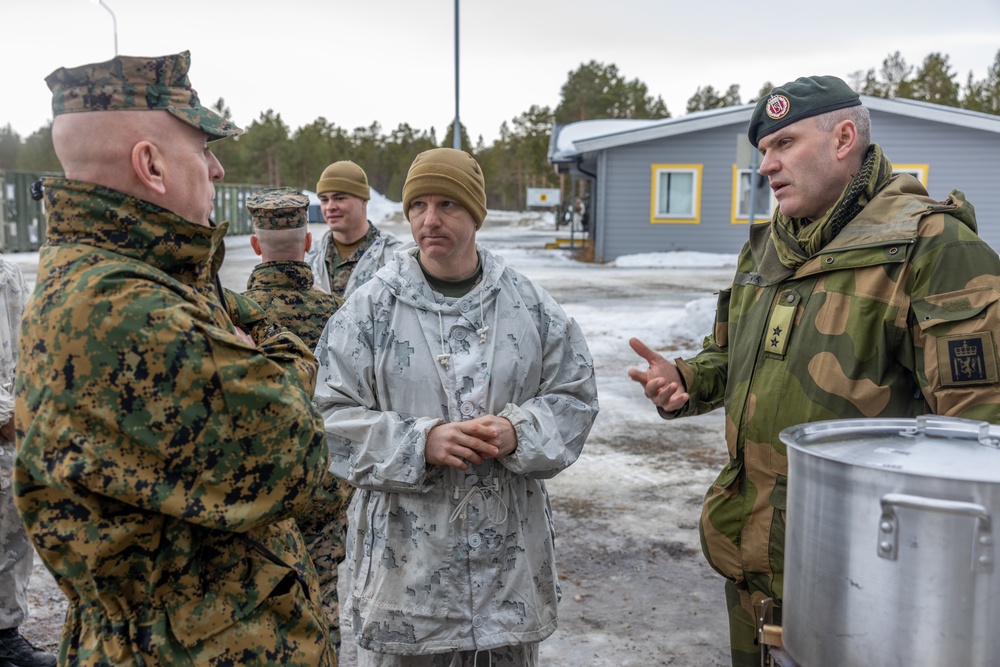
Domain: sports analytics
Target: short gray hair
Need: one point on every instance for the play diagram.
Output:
(857, 114)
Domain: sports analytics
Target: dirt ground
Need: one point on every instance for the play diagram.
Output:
(636, 588)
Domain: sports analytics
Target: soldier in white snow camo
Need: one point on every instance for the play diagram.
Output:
(451, 387)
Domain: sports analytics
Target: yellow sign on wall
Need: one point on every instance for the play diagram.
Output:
(544, 197)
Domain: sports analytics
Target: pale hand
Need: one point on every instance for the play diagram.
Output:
(245, 337)
(661, 382)
(457, 444)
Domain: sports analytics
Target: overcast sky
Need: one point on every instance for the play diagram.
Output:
(392, 61)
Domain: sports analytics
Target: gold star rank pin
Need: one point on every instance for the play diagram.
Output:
(779, 329)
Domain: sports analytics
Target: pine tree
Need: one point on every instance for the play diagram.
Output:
(10, 147)
(596, 90)
(984, 95)
(935, 82)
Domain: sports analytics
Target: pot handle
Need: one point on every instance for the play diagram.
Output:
(953, 427)
(888, 525)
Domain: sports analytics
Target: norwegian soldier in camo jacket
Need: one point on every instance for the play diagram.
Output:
(283, 286)
(863, 297)
(162, 449)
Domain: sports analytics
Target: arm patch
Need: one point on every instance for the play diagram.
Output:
(967, 359)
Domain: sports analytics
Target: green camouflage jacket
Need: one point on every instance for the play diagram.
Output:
(896, 317)
(285, 291)
(160, 456)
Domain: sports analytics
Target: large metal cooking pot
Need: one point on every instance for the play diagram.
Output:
(889, 548)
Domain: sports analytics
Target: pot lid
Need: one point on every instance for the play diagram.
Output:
(929, 445)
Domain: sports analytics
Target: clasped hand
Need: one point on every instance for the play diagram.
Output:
(457, 444)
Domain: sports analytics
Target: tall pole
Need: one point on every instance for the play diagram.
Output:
(114, 21)
(456, 140)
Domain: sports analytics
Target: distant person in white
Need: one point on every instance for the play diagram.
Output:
(17, 552)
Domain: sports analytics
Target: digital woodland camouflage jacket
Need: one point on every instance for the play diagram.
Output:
(442, 559)
(374, 252)
(898, 316)
(285, 291)
(160, 456)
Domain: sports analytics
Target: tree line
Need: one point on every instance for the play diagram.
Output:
(272, 154)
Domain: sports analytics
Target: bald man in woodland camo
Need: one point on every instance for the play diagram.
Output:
(162, 449)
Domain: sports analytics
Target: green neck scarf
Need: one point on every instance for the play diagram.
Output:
(796, 239)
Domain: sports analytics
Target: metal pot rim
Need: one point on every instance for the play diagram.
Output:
(928, 445)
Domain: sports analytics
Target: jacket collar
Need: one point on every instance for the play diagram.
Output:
(281, 275)
(93, 215)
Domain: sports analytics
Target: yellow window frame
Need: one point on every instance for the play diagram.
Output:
(920, 170)
(655, 170)
(737, 219)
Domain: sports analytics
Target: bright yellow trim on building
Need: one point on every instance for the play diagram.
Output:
(696, 217)
(921, 169)
(734, 217)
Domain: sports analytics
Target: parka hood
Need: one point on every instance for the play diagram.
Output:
(403, 277)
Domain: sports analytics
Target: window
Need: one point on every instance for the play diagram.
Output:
(918, 171)
(764, 200)
(676, 193)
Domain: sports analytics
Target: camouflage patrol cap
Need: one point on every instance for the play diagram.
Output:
(803, 98)
(278, 208)
(128, 82)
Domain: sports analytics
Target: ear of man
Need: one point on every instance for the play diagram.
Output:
(149, 166)
(846, 137)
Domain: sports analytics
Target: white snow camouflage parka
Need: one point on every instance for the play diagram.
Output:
(442, 559)
(370, 258)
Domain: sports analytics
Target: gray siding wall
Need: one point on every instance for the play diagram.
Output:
(961, 158)
(626, 190)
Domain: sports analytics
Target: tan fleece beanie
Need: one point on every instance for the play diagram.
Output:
(344, 176)
(449, 173)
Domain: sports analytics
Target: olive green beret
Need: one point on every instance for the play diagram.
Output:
(346, 177)
(447, 172)
(128, 82)
(805, 97)
(278, 208)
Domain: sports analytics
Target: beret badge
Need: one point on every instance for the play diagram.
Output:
(777, 106)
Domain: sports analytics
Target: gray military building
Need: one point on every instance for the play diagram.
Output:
(684, 183)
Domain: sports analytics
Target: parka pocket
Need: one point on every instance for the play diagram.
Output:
(951, 308)
(778, 499)
(228, 602)
(959, 331)
(722, 522)
(721, 329)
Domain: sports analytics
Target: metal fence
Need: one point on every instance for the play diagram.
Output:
(22, 219)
